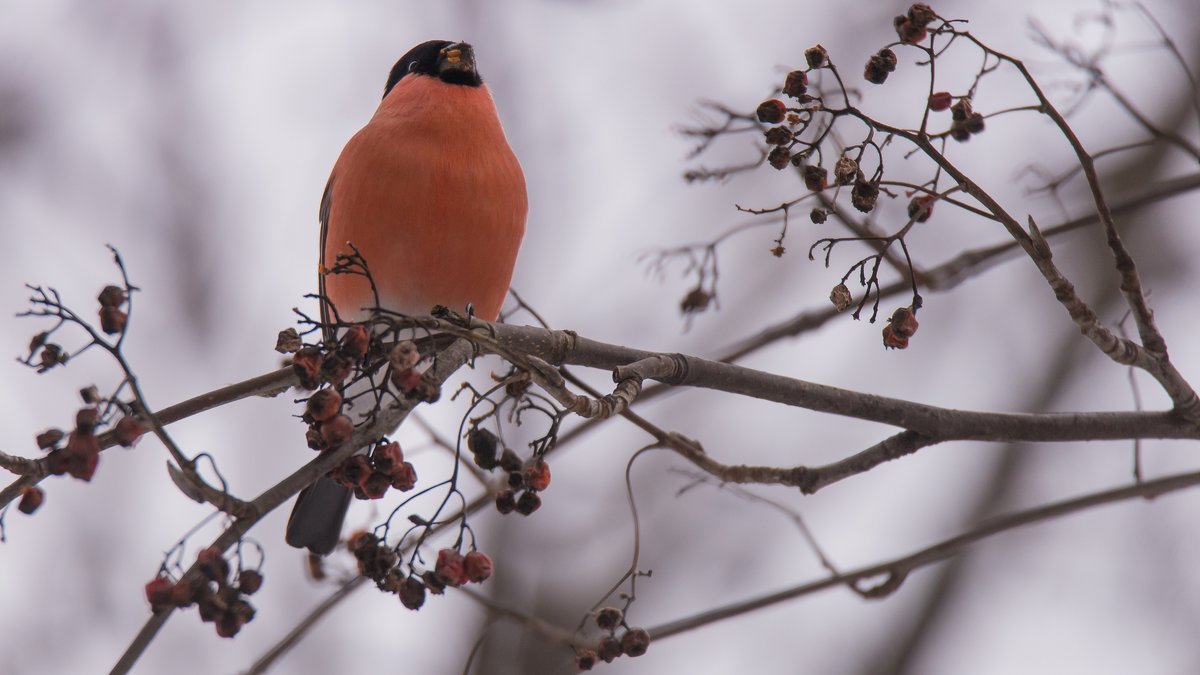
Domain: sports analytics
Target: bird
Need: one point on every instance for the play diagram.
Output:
(432, 196)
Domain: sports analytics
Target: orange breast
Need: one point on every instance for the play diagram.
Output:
(432, 195)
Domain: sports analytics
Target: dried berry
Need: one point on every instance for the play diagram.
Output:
(404, 478)
(516, 480)
(537, 476)
(90, 394)
(477, 566)
(32, 497)
(404, 355)
(893, 341)
(771, 111)
(412, 593)
(111, 296)
(212, 564)
(288, 341)
(528, 502)
(323, 405)
(306, 364)
(387, 458)
(86, 419)
(974, 123)
(376, 485)
(406, 380)
(940, 100)
(778, 136)
(249, 581)
(608, 649)
(337, 430)
(362, 544)
(355, 470)
(921, 14)
(112, 320)
(450, 568)
(779, 157)
(49, 438)
(921, 208)
(510, 461)
(336, 368)
(484, 446)
(879, 66)
(81, 455)
(609, 618)
(778, 250)
(904, 321)
(961, 110)
(506, 501)
(128, 430)
(356, 341)
(840, 297)
(818, 216)
(864, 195)
(158, 592)
(635, 642)
(815, 178)
(433, 583)
(909, 31)
(816, 56)
(796, 84)
(585, 659)
(845, 171)
(959, 132)
(427, 389)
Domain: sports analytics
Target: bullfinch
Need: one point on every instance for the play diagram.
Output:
(431, 194)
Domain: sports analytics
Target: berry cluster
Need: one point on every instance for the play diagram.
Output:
(80, 455)
(632, 642)
(112, 317)
(370, 476)
(380, 563)
(217, 599)
(527, 480)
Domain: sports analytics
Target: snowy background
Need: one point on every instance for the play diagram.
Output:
(197, 137)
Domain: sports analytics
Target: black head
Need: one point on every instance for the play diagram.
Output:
(450, 62)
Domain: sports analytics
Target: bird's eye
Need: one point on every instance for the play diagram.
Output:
(412, 66)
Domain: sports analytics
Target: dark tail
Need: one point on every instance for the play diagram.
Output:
(317, 517)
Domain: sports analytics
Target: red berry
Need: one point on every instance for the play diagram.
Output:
(940, 100)
(355, 470)
(337, 430)
(406, 380)
(323, 405)
(537, 477)
(128, 430)
(404, 478)
(478, 566)
(356, 341)
(158, 592)
(31, 498)
(376, 485)
(771, 111)
(796, 84)
(892, 340)
(921, 208)
(387, 458)
(450, 568)
(306, 364)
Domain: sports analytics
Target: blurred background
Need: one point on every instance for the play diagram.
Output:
(197, 137)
